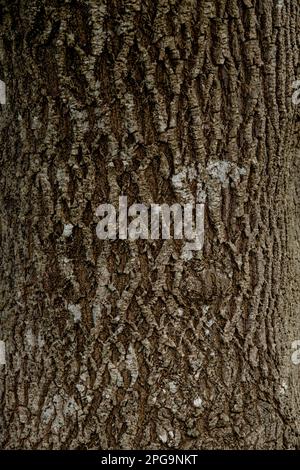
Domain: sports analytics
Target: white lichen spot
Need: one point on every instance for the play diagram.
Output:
(70, 407)
(192, 173)
(152, 400)
(35, 123)
(201, 194)
(173, 387)
(221, 170)
(41, 341)
(80, 388)
(296, 94)
(296, 354)
(115, 375)
(283, 388)
(187, 254)
(163, 436)
(2, 353)
(2, 92)
(179, 179)
(68, 229)
(76, 312)
(47, 413)
(181, 184)
(197, 402)
(29, 338)
(65, 261)
(96, 311)
(57, 425)
(63, 179)
(132, 364)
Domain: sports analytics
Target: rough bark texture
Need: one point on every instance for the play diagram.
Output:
(126, 344)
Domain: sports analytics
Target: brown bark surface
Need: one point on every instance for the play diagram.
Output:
(127, 345)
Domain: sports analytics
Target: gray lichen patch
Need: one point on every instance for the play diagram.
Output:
(76, 312)
(68, 229)
(223, 171)
(2, 353)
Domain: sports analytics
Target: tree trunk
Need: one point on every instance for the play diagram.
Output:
(127, 344)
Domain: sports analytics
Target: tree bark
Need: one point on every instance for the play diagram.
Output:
(125, 344)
